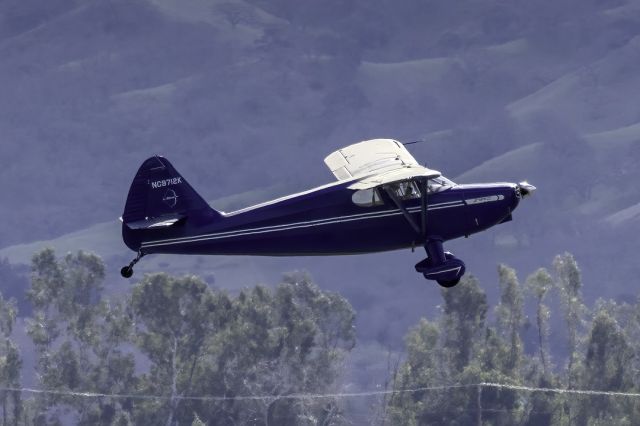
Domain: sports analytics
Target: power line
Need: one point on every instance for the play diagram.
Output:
(229, 398)
(557, 390)
(320, 396)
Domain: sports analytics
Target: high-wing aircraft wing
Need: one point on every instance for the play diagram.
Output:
(376, 162)
(394, 176)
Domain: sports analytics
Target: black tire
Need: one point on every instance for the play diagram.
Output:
(448, 284)
(126, 272)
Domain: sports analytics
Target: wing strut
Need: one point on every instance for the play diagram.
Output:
(390, 192)
(423, 187)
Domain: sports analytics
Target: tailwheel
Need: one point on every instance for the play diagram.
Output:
(127, 271)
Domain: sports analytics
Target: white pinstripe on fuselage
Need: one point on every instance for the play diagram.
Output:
(294, 225)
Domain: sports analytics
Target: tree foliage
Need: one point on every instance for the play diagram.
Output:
(538, 284)
(464, 347)
(191, 340)
(10, 364)
(159, 353)
(79, 339)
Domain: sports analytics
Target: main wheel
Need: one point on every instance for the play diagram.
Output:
(447, 273)
(448, 284)
(126, 272)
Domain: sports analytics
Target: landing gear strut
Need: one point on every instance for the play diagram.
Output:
(441, 266)
(127, 271)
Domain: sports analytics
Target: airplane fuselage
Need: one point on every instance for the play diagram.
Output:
(326, 221)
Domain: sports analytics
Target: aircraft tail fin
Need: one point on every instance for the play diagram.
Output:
(160, 197)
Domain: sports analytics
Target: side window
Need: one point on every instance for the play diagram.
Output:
(367, 197)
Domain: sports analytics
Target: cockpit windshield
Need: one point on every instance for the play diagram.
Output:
(403, 190)
(439, 183)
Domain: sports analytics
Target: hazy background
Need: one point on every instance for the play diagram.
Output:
(247, 97)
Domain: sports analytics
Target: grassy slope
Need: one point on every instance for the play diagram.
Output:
(234, 122)
(593, 98)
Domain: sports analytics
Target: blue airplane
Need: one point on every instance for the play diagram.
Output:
(383, 199)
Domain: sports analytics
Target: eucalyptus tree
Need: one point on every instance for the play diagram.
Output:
(423, 367)
(10, 364)
(78, 338)
(440, 352)
(543, 408)
(607, 367)
(463, 321)
(538, 284)
(257, 350)
(288, 341)
(499, 357)
(510, 316)
(569, 283)
(173, 318)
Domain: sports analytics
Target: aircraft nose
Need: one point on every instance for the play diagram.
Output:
(525, 189)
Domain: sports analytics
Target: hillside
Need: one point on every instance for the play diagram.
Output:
(246, 95)
(92, 88)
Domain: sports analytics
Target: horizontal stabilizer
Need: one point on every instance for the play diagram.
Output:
(156, 222)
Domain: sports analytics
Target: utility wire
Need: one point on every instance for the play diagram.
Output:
(229, 398)
(319, 396)
(556, 390)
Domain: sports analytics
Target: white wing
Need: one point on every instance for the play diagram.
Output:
(376, 161)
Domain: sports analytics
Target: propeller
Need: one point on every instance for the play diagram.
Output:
(525, 188)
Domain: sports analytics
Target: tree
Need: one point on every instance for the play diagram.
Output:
(443, 352)
(569, 283)
(78, 339)
(287, 342)
(509, 314)
(112, 367)
(10, 364)
(606, 367)
(460, 348)
(174, 317)
(463, 320)
(499, 356)
(493, 363)
(544, 408)
(14, 284)
(538, 284)
(263, 344)
(422, 368)
(62, 295)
